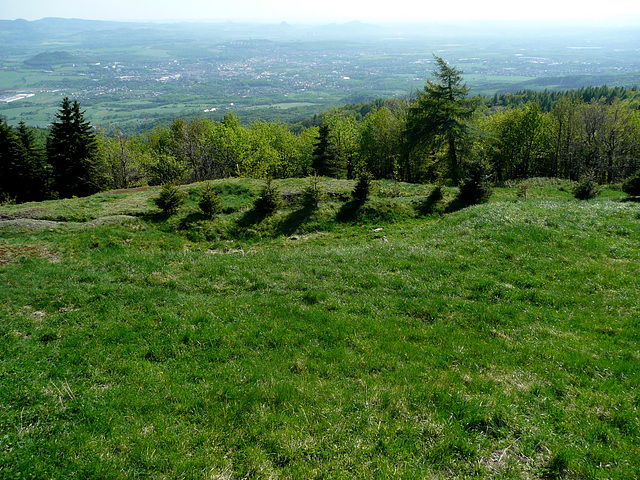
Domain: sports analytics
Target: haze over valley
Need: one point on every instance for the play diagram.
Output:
(136, 75)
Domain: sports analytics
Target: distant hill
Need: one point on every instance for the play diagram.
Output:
(49, 59)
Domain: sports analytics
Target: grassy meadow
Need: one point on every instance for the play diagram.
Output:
(392, 339)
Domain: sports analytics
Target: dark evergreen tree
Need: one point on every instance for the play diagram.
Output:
(587, 188)
(476, 186)
(321, 154)
(270, 199)
(439, 117)
(362, 188)
(9, 151)
(210, 201)
(335, 152)
(170, 199)
(71, 151)
(34, 171)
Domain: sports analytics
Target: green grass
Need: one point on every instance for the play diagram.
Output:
(496, 341)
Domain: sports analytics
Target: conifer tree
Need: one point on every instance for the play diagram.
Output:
(335, 151)
(71, 149)
(34, 170)
(9, 148)
(321, 154)
(439, 117)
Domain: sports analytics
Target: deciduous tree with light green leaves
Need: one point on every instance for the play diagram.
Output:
(517, 143)
(380, 143)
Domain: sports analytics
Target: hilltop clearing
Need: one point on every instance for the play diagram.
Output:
(395, 337)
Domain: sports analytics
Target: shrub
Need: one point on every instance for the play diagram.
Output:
(632, 185)
(170, 199)
(436, 194)
(361, 191)
(476, 187)
(312, 194)
(269, 200)
(210, 202)
(6, 199)
(586, 188)
(522, 191)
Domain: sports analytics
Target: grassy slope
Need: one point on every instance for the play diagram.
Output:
(498, 340)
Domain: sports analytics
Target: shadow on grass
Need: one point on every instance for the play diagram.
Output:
(458, 204)
(186, 222)
(429, 206)
(295, 219)
(252, 217)
(631, 199)
(156, 218)
(348, 213)
(434, 206)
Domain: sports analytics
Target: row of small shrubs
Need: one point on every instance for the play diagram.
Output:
(587, 188)
(475, 188)
(171, 198)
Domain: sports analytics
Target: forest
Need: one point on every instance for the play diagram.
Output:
(436, 137)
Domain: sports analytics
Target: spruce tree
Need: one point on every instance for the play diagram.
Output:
(335, 150)
(71, 150)
(34, 171)
(22, 168)
(9, 148)
(322, 157)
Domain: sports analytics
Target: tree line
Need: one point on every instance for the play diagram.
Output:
(439, 135)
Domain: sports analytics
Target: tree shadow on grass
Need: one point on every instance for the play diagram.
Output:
(187, 221)
(156, 218)
(292, 223)
(429, 206)
(457, 204)
(348, 213)
(252, 217)
(631, 199)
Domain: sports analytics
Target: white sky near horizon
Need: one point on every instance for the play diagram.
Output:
(593, 11)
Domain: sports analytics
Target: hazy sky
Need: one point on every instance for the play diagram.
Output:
(334, 10)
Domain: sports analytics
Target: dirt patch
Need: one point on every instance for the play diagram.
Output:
(27, 213)
(11, 253)
(130, 190)
(32, 224)
(29, 224)
(112, 220)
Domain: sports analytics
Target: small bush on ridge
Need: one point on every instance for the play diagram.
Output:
(363, 187)
(170, 199)
(476, 187)
(312, 194)
(210, 202)
(586, 188)
(269, 200)
(436, 194)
